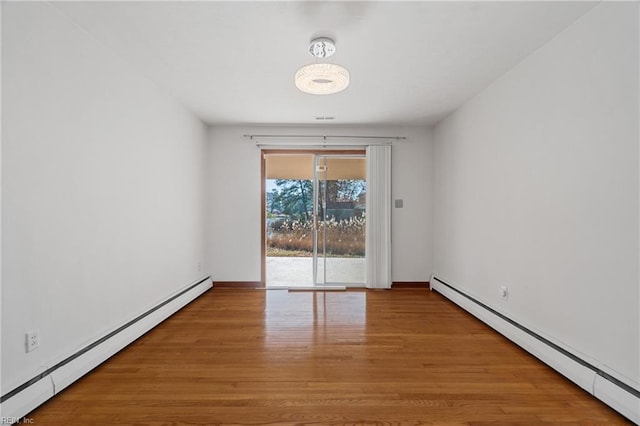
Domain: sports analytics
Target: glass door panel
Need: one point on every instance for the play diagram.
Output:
(289, 220)
(339, 212)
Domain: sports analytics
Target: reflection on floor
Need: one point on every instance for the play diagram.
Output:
(311, 315)
(298, 271)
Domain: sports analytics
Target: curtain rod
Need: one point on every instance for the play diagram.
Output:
(325, 137)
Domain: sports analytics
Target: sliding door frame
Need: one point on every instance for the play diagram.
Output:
(263, 193)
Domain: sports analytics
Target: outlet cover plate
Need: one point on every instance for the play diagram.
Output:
(33, 340)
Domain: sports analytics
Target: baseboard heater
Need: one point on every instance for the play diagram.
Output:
(617, 394)
(21, 400)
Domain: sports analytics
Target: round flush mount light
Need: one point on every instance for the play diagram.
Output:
(322, 78)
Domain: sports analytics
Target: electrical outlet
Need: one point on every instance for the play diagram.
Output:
(33, 340)
(199, 266)
(504, 293)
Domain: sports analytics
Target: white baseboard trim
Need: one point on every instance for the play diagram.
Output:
(617, 398)
(15, 405)
(13, 409)
(580, 372)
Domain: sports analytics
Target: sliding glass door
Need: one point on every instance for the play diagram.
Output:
(314, 219)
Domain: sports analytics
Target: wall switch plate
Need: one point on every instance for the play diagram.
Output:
(33, 340)
(504, 293)
(399, 203)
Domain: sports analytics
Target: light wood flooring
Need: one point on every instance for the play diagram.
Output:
(241, 356)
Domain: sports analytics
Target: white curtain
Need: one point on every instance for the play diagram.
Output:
(378, 244)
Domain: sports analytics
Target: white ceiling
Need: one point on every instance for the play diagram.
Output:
(410, 62)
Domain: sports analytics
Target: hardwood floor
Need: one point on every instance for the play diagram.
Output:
(245, 356)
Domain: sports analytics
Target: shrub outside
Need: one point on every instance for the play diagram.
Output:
(344, 238)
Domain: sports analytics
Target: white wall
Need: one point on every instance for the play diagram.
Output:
(233, 220)
(102, 197)
(536, 188)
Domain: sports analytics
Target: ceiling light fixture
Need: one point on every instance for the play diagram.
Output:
(322, 78)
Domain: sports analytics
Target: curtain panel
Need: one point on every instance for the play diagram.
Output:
(378, 225)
